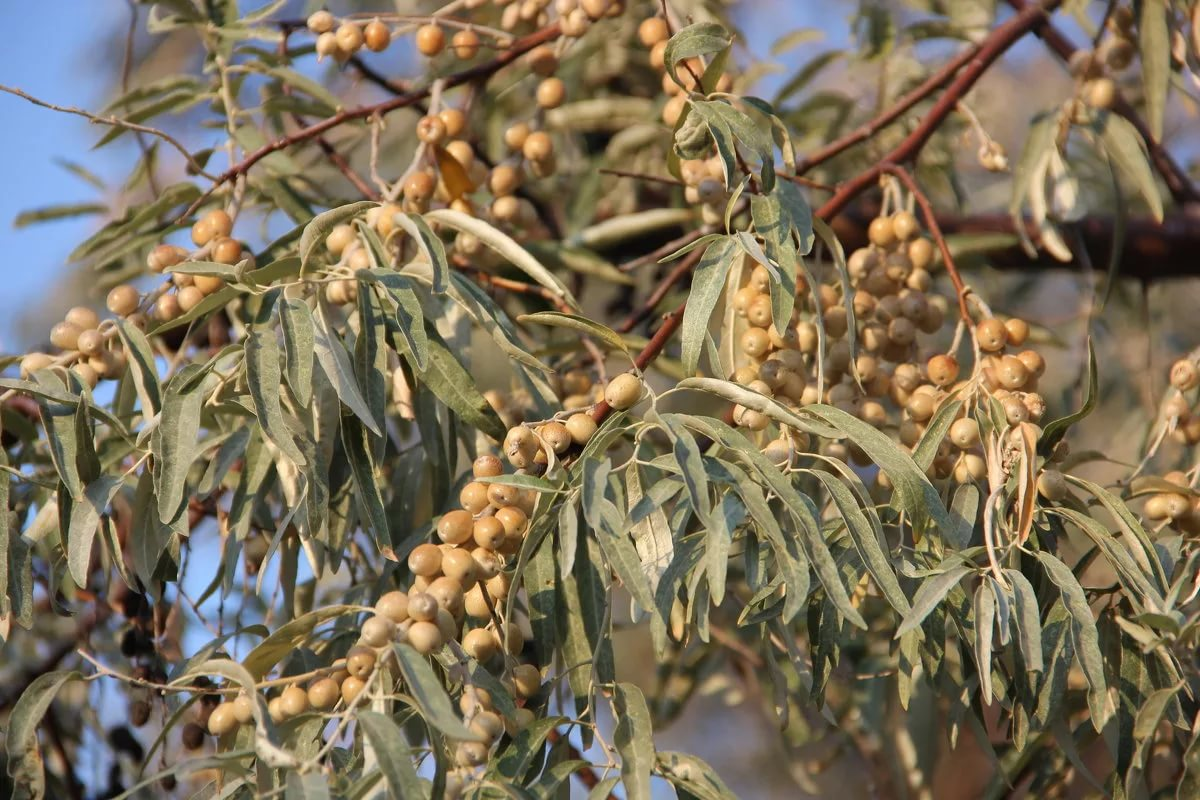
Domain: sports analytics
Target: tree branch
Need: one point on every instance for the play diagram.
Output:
(518, 49)
(995, 45)
(1176, 179)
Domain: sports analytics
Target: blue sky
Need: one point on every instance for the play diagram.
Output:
(56, 59)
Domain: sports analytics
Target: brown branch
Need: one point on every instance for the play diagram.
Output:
(484, 70)
(1176, 179)
(671, 323)
(935, 231)
(673, 277)
(868, 129)
(331, 153)
(997, 42)
(641, 176)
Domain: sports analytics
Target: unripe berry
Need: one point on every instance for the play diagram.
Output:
(293, 701)
(991, 335)
(351, 688)
(360, 661)
(377, 631)
(964, 433)
(349, 37)
(340, 238)
(581, 427)
(425, 637)
(551, 93)
(881, 232)
(377, 36)
(481, 644)
(64, 336)
(624, 391)
(327, 45)
(431, 39)
(905, 225)
(323, 694)
(431, 130)
(487, 466)
(222, 720)
(425, 560)
(455, 527)
(652, 31)
(755, 342)
(1185, 375)
(189, 297)
(320, 22)
(90, 342)
(123, 300)
(1011, 372)
(465, 44)
(393, 605)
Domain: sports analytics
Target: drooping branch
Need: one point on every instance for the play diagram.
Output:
(1176, 179)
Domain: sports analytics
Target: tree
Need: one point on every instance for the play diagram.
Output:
(356, 492)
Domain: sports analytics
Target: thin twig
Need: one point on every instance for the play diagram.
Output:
(116, 122)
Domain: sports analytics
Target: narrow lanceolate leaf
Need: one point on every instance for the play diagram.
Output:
(141, 366)
(174, 441)
(916, 494)
(393, 754)
(767, 215)
(85, 516)
(634, 740)
(431, 247)
(597, 331)
(1154, 45)
(1124, 145)
(1083, 633)
(454, 386)
(410, 319)
(708, 280)
(931, 592)
(985, 617)
(426, 690)
(507, 247)
(24, 752)
(362, 467)
(62, 433)
(1027, 619)
(335, 362)
(1055, 430)
(296, 322)
(315, 231)
(866, 540)
(264, 377)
